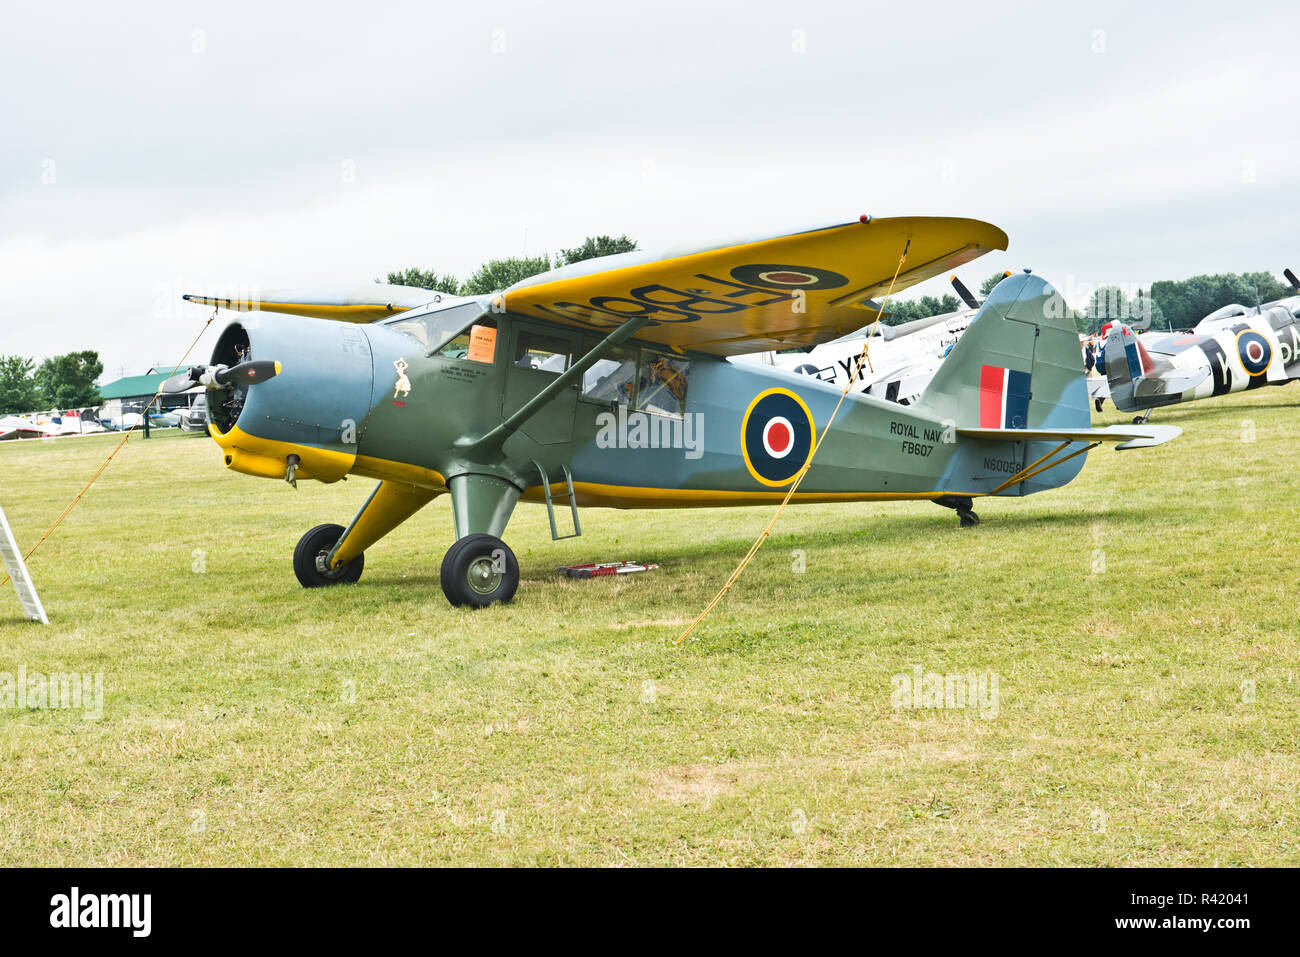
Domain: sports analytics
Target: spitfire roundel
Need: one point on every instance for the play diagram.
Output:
(777, 436)
(1254, 350)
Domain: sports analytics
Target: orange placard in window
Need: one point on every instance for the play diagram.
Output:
(482, 344)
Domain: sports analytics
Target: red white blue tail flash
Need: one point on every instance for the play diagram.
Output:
(1004, 398)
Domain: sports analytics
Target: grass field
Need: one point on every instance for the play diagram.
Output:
(1142, 624)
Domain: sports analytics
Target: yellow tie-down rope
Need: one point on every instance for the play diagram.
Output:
(100, 471)
(758, 542)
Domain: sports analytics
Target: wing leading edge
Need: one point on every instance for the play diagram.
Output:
(362, 304)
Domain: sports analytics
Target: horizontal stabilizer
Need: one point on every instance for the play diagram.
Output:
(1166, 383)
(1128, 436)
(1098, 388)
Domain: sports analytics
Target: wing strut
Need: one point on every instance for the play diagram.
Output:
(491, 442)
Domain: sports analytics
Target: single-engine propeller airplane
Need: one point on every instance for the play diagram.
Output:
(1232, 349)
(605, 383)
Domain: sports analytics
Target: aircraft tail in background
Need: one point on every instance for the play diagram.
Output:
(1138, 381)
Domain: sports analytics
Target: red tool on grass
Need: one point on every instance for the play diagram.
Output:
(596, 569)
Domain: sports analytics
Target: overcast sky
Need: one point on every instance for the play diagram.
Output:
(149, 149)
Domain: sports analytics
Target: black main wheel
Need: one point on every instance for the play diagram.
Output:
(479, 570)
(967, 518)
(316, 544)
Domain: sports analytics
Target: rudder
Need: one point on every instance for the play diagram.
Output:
(1126, 364)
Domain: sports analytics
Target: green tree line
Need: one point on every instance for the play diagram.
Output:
(497, 274)
(1167, 304)
(1180, 303)
(61, 382)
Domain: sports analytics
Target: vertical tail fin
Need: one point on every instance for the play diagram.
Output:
(1019, 364)
(1126, 364)
(1139, 382)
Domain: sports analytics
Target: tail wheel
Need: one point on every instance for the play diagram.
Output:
(479, 570)
(309, 559)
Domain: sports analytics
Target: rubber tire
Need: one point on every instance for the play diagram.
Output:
(455, 571)
(1097, 403)
(967, 518)
(321, 539)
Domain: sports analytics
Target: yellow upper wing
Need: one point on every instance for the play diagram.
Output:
(779, 293)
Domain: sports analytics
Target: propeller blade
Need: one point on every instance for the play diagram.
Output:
(965, 293)
(1290, 277)
(248, 373)
(183, 381)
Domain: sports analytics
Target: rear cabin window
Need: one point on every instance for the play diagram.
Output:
(661, 383)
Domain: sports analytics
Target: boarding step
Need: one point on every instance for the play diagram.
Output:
(550, 502)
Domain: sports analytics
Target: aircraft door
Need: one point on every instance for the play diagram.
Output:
(538, 355)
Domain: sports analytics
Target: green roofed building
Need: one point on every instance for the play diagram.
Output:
(131, 394)
(141, 387)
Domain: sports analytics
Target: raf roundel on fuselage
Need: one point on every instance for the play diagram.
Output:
(777, 436)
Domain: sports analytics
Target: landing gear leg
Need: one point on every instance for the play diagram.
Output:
(333, 555)
(1142, 419)
(962, 505)
(480, 569)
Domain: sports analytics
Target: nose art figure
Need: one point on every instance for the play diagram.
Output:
(403, 383)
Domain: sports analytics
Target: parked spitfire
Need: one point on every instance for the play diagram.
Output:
(1232, 349)
(505, 398)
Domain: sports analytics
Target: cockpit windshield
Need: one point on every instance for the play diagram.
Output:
(435, 326)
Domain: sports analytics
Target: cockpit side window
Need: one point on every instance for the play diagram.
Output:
(533, 350)
(476, 343)
(436, 328)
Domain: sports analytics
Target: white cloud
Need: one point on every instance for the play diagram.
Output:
(1167, 154)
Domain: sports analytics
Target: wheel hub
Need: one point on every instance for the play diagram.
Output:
(483, 575)
(322, 565)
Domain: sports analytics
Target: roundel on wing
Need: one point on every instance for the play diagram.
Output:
(1254, 350)
(777, 436)
(776, 276)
